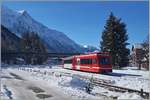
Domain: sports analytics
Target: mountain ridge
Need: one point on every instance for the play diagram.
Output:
(9, 41)
(21, 22)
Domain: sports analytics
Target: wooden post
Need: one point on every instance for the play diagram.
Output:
(141, 93)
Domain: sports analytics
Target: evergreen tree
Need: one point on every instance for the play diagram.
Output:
(31, 43)
(26, 47)
(114, 40)
(123, 52)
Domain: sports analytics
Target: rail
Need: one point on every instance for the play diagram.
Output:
(99, 82)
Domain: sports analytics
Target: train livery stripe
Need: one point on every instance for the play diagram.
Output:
(68, 66)
(89, 67)
(78, 67)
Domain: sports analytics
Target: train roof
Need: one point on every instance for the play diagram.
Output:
(67, 58)
(88, 54)
(96, 53)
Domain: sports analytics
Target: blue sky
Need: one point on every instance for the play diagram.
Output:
(84, 22)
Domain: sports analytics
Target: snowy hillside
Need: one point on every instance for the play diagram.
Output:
(19, 22)
(9, 41)
(89, 48)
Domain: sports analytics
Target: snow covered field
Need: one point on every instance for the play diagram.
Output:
(133, 79)
(68, 88)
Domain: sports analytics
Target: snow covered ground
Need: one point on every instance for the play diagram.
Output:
(69, 88)
(20, 88)
(133, 79)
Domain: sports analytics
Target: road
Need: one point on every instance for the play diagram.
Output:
(23, 88)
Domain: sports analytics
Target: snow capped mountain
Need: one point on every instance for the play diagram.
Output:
(88, 48)
(22, 11)
(20, 22)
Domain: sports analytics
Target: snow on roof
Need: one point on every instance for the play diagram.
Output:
(20, 59)
(138, 45)
(144, 59)
(68, 58)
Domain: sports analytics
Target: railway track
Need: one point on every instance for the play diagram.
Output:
(108, 84)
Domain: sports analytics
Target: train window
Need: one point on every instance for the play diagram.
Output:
(104, 61)
(67, 61)
(86, 61)
(94, 61)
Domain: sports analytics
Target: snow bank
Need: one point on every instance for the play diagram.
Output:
(138, 80)
(129, 96)
(3, 94)
(69, 85)
(129, 70)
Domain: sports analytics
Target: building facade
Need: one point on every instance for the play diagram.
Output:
(137, 58)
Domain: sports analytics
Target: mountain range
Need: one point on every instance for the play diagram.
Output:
(19, 22)
(9, 41)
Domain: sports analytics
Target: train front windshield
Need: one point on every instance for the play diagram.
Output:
(104, 61)
(68, 61)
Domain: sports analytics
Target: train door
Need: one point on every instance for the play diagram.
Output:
(93, 65)
(74, 63)
(78, 64)
(94, 62)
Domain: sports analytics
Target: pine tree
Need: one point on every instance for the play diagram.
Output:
(39, 48)
(31, 43)
(114, 40)
(26, 47)
(123, 52)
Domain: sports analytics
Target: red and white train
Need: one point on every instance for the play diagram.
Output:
(94, 62)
